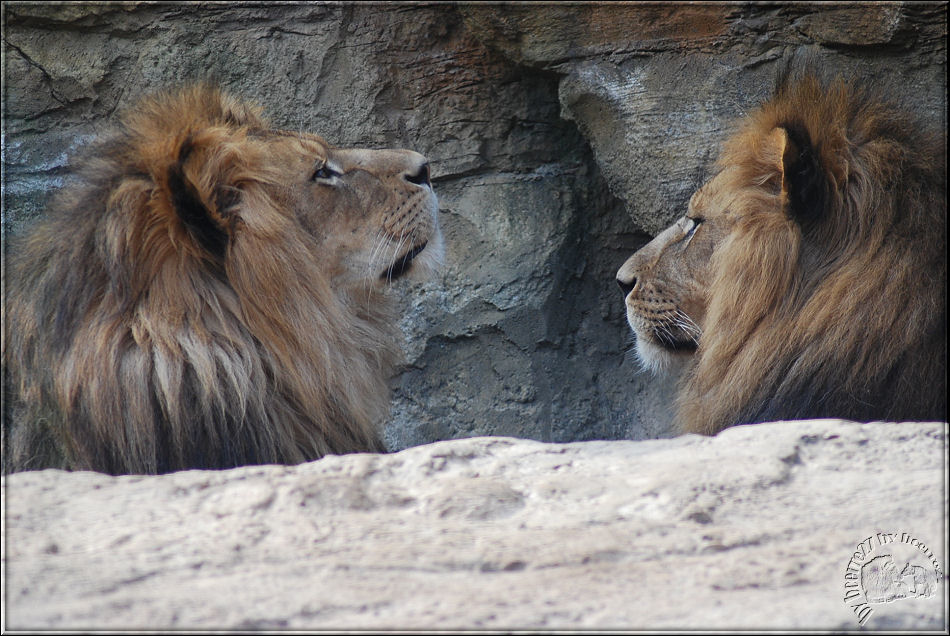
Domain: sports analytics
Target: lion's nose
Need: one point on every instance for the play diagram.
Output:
(626, 286)
(418, 174)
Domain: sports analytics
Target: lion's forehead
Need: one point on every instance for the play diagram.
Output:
(698, 200)
(383, 160)
(716, 195)
(706, 195)
(305, 143)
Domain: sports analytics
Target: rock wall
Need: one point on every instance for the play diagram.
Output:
(561, 138)
(757, 528)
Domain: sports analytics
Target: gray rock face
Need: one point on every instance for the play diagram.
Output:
(756, 528)
(561, 138)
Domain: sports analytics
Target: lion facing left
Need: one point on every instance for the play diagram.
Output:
(211, 294)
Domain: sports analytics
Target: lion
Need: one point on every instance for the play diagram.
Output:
(807, 278)
(211, 294)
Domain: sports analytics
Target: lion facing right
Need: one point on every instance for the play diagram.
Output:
(808, 278)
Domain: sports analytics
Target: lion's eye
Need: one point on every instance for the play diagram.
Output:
(691, 224)
(324, 172)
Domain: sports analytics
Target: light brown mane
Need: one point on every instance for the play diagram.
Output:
(836, 308)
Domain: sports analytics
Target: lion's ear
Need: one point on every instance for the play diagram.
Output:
(802, 178)
(203, 214)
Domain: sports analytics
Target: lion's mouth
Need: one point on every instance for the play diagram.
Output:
(669, 341)
(403, 263)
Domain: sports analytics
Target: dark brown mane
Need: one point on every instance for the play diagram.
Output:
(144, 340)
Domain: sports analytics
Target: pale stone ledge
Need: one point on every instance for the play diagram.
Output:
(751, 529)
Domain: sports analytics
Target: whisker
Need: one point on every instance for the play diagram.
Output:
(402, 239)
(379, 241)
(689, 327)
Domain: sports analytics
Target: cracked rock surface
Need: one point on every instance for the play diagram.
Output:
(751, 529)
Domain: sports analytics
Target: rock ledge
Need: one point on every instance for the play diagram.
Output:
(751, 529)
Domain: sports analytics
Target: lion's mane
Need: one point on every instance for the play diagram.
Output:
(141, 345)
(836, 308)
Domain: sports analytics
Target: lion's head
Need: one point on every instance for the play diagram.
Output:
(209, 294)
(807, 278)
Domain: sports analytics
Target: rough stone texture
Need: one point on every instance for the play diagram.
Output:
(751, 529)
(561, 138)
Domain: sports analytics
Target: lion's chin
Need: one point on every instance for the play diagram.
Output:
(660, 359)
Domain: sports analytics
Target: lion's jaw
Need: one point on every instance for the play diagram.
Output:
(416, 254)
